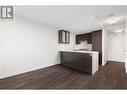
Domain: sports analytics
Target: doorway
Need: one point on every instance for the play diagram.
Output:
(116, 46)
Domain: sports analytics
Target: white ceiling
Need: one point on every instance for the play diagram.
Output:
(78, 19)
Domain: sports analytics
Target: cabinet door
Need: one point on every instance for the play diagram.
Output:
(83, 61)
(64, 37)
(84, 37)
(66, 58)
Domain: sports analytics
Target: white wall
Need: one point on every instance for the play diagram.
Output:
(26, 45)
(104, 47)
(126, 44)
(116, 46)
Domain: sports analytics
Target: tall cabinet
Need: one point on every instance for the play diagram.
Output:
(97, 43)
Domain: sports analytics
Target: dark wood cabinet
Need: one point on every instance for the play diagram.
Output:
(80, 61)
(64, 36)
(97, 43)
(94, 38)
(84, 37)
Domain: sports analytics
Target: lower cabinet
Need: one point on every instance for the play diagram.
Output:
(80, 61)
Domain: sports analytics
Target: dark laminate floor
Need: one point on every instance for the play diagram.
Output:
(111, 76)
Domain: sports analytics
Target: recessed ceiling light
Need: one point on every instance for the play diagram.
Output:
(112, 20)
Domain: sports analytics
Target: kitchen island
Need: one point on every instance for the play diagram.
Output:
(87, 61)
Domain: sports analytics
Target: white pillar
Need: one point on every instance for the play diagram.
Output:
(104, 46)
(126, 44)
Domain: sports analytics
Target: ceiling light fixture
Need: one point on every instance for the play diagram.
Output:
(118, 30)
(112, 20)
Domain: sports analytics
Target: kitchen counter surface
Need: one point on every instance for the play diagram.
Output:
(81, 51)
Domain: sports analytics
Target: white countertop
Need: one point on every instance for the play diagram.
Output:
(80, 51)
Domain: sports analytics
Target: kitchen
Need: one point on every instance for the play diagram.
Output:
(87, 53)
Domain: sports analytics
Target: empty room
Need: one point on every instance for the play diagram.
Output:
(63, 47)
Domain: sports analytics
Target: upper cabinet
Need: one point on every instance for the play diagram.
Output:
(64, 36)
(84, 37)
